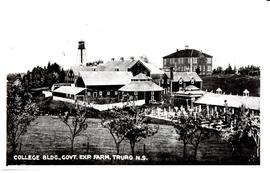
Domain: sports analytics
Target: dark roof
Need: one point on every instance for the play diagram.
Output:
(98, 78)
(188, 53)
(186, 76)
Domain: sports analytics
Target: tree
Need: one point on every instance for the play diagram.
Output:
(229, 70)
(21, 111)
(138, 129)
(198, 70)
(75, 120)
(199, 135)
(185, 127)
(117, 125)
(246, 125)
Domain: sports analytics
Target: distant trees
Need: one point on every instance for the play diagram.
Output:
(75, 120)
(21, 111)
(44, 76)
(250, 70)
(245, 70)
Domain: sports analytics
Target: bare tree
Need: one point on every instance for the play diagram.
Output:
(75, 120)
(117, 125)
(138, 128)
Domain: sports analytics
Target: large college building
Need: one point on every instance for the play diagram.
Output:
(188, 60)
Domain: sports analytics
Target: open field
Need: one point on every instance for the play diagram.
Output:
(49, 136)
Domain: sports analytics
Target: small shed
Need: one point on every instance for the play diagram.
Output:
(70, 92)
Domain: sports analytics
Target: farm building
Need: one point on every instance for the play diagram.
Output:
(103, 83)
(69, 92)
(142, 87)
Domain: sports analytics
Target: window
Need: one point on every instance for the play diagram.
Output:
(116, 92)
(108, 93)
(180, 81)
(100, 93)
(209, 68)
(135, 93)
(209, 60)
(168, 82)
(89, 93)
(179, 60)
(188, 60)
(203, 68)
(164, 61)
(171, 60)
(95, 94)
(152, 98)
(194, 60)
(152, 92)
(162, 81)
(194, 68)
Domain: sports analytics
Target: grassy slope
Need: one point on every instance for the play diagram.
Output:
(234, 84)
(49, 137)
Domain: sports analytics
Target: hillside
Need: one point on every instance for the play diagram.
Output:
(234, 84)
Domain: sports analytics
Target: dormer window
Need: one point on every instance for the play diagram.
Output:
(180, 81)
(192, 80)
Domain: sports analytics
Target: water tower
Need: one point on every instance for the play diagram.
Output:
(82, 51)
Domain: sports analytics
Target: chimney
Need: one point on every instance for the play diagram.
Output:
(112, 59)
(132, 58)
(122, 58)
(171, 73)
(177, 50)
(186, 46)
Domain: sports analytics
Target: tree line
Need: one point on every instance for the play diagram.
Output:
(44, 76)
(250, 70)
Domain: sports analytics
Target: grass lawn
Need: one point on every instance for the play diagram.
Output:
(49, 136)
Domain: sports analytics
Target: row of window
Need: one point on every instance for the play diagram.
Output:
(180, 81)
(183, 60)
(95, 94)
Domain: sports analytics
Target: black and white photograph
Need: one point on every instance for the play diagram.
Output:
(125, 82)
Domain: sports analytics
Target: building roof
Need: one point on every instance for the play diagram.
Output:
(188, 53)
(141, 86)
(101, 78)
(69, 90)
(190, 91)
(141, 83)
(153, 68)
(186, 76)
(76, 69)
(232, 100)
(122, 65)
(141, 77)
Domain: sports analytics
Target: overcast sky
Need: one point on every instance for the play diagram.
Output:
(35, 32)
